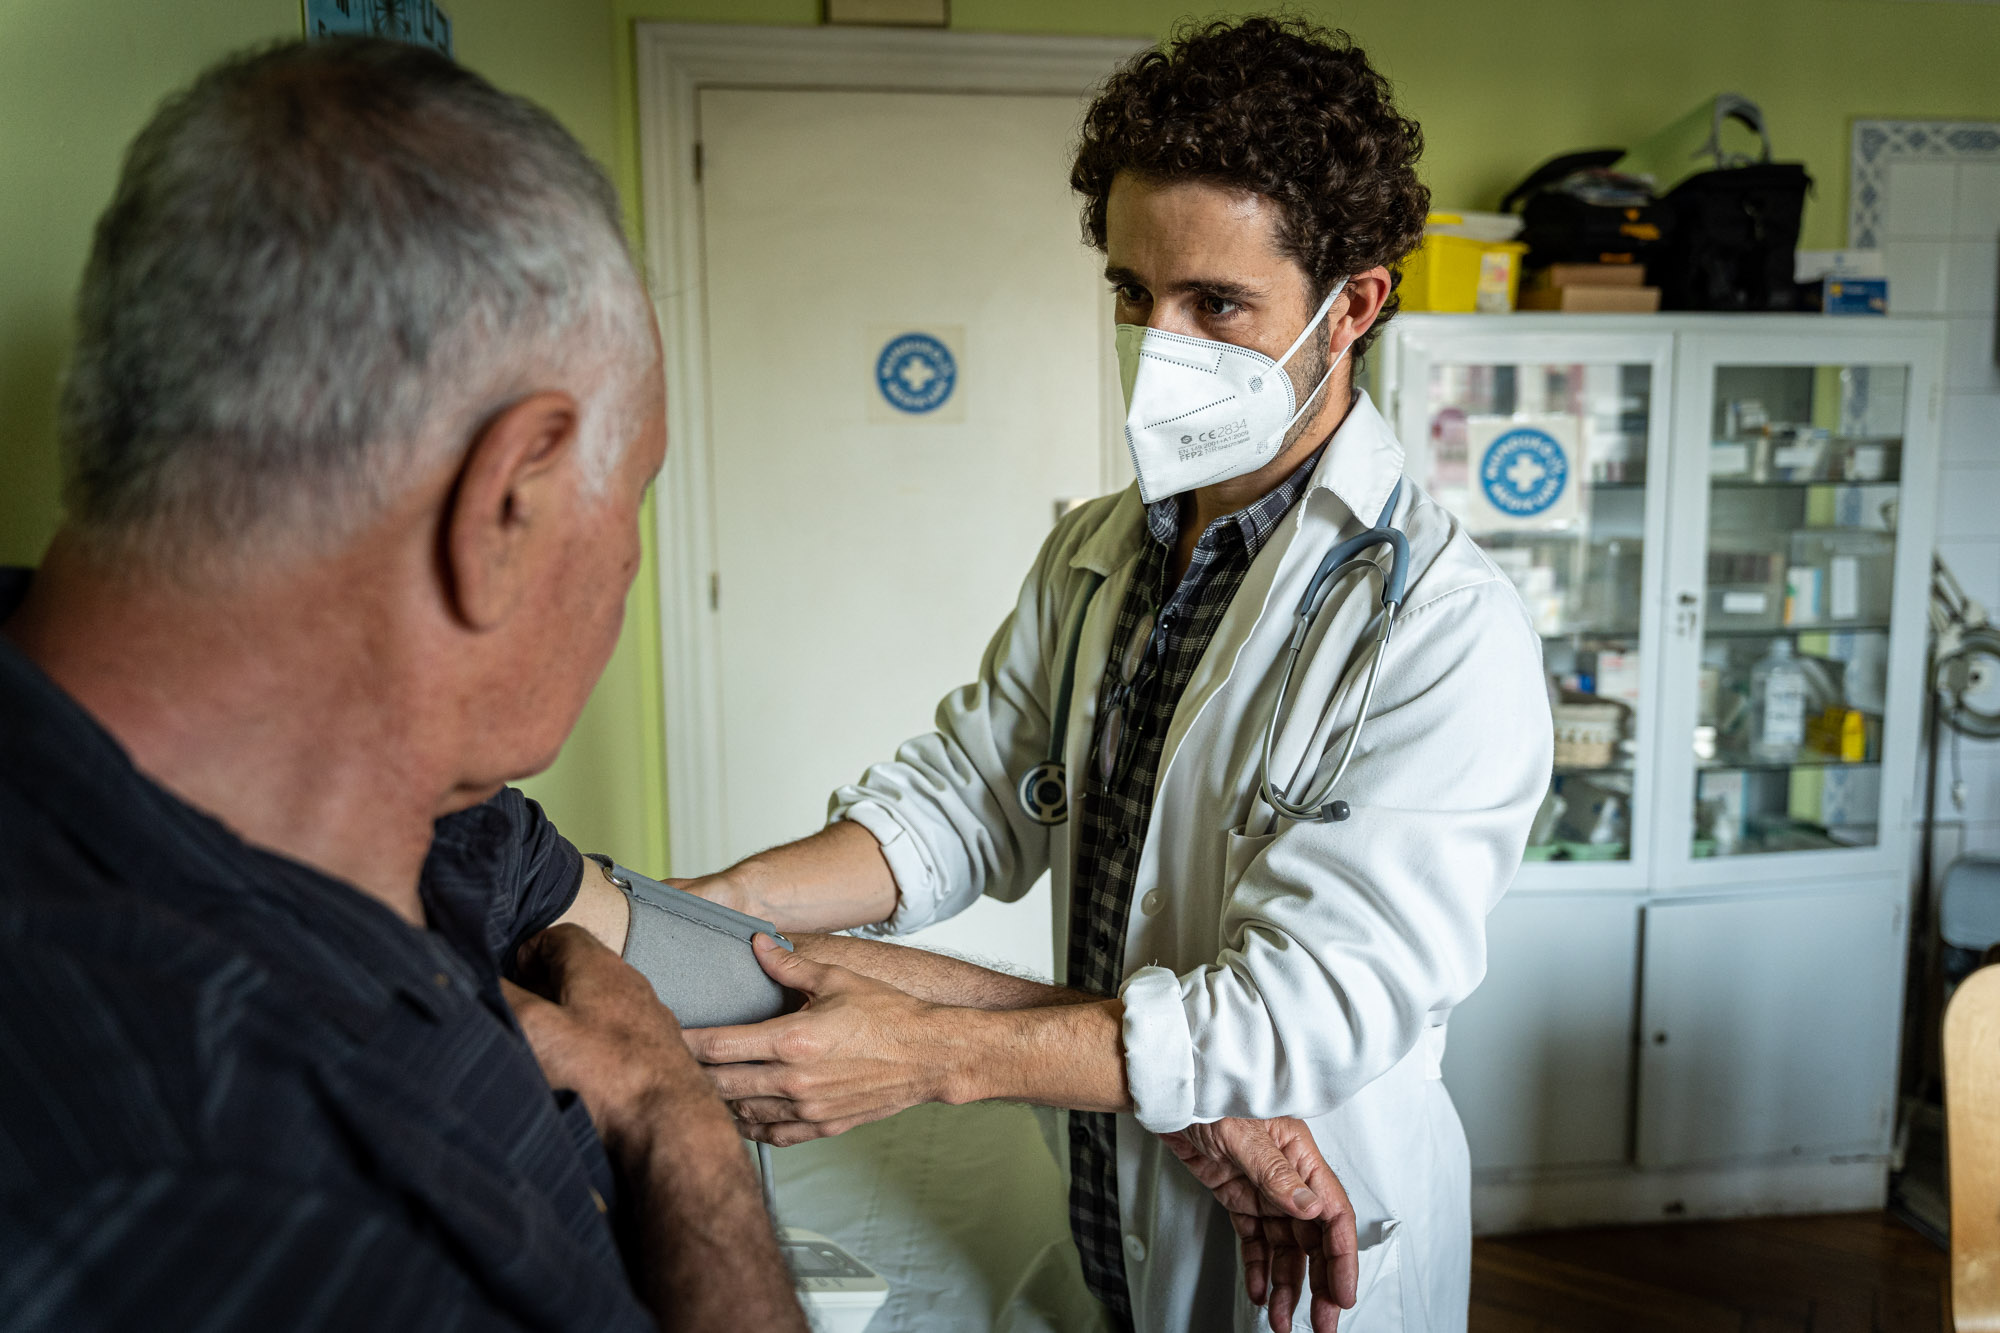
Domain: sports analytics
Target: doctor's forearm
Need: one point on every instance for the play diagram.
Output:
(1071, 1056)
(834, 880)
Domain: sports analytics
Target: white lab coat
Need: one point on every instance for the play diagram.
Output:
(1288, 969)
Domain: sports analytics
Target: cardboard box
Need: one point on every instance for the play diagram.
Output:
(1617, 677)
(1593, 300)
(1591, 275)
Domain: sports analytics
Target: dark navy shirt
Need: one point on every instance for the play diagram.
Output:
(237, 1094)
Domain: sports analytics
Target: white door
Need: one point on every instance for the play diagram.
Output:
(1767, 1026)
(1539, 1058)
(907, 343)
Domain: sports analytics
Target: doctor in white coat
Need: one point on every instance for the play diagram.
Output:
(1250, 186)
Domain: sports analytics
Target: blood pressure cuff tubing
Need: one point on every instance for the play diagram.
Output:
(697, 954)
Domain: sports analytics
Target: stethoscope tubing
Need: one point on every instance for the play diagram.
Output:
(1043, 790)
(1321, 807)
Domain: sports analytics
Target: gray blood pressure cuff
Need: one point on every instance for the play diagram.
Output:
(697, 954)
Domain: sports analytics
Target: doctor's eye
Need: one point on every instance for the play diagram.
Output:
(1129, 293)
(1217, 307)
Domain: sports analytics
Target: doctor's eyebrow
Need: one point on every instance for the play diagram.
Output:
(1221, 289)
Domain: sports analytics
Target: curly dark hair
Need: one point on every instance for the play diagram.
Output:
(1281, 107)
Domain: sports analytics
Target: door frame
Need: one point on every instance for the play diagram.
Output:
(675, 62)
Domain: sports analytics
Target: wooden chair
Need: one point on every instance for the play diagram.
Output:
(1972, 1133)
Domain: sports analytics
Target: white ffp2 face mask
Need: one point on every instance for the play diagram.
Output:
(1198, 411)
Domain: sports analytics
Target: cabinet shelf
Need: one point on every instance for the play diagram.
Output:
(1746, 484)
(1593, 853)
(1744, 764)
(1785, 631)
(1614, 634)
(1779, 838)
(1623, 770)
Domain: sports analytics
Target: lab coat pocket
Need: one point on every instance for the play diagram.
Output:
(1378, 1291)
(1378, 1304)
(1241, 849)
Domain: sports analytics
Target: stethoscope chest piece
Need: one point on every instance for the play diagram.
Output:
(1044, 792)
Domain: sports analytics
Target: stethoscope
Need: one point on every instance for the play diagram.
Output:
(1043, 790)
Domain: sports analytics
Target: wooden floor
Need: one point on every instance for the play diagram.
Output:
(1845, 1273)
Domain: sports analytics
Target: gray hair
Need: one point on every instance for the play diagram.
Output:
(323, 267)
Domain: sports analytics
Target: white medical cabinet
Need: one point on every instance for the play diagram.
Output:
(1722, 528)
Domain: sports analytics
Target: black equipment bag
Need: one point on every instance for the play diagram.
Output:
(1733, 230)
(1575, 210)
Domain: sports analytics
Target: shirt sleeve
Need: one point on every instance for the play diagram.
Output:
(1343, 942)
(227, 1253)
(504, 872)
(549, 869)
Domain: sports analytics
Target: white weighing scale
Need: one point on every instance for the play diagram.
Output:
(839, 1292)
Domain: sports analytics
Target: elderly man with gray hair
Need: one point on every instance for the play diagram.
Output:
(365, 400)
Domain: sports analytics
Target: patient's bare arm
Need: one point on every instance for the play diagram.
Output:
(600, 907)
(706, 1256)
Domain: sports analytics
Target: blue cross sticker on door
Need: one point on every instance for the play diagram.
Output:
(916, 375)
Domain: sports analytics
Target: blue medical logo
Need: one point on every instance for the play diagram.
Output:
(916, 373)
(418, 21)
(1524, 472)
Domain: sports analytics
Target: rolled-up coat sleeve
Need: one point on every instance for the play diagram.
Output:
(944, 809)
(1342, 940)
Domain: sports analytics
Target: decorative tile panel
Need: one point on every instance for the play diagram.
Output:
(1877, 143)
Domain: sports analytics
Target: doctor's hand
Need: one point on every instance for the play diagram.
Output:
(1288, 1209)
(858, 1051)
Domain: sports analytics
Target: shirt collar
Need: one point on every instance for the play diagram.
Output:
(1361, 463)
(1254, 523)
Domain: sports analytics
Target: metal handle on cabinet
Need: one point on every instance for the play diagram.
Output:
(1687, 615)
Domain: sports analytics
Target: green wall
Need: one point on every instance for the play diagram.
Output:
(1501, 88)
(1498, 89)
(77, 79)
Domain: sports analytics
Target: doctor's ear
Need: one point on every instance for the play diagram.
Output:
(1360, 303)
(505, 512)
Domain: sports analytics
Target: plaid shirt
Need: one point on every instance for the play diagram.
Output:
(1112, 828)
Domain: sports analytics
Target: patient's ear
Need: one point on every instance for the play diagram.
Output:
(504, 513)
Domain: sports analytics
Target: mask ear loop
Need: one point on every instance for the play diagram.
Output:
(1311, 324)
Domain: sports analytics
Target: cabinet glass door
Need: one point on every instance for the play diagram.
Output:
(1546, 462)
(1804, 464)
